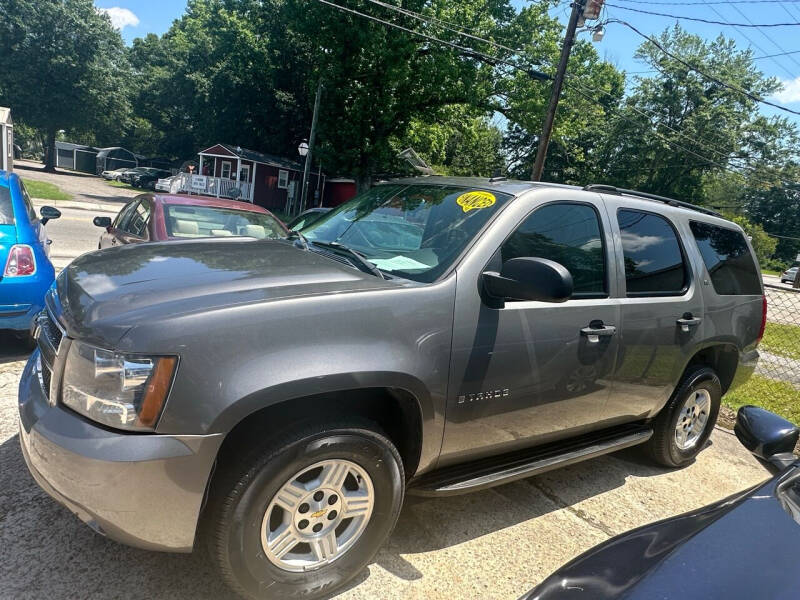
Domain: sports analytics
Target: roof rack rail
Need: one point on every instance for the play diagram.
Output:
(610, 189)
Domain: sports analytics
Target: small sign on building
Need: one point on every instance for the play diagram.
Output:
(199, 182)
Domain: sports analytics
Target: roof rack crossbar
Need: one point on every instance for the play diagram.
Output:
(610, 189)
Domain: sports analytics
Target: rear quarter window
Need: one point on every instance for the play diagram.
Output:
(727, 257)
(6, 209)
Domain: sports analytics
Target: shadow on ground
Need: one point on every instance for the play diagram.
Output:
(12, 348)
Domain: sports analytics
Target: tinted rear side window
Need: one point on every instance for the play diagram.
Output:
(6, 210)
(653, 258)
(728, 260)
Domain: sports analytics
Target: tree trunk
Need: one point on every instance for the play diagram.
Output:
(50, 152)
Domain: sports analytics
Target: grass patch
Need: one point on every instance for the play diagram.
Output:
(777, 396)
(771, 272)
(45, 191)
(782, 340)
(125, 186)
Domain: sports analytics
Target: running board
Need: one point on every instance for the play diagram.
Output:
(485, 474)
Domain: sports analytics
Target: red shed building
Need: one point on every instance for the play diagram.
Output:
(264, 179)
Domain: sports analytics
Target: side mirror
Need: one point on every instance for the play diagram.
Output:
(529, 279)
(768, 436)
(48, 213)
(102, 222)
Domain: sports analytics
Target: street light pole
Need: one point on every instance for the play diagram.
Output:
(558, 83)
(304, 190)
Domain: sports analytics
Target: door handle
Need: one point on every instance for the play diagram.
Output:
(596, 330)
(688, 320)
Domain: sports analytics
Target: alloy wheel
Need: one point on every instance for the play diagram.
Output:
(317, 516)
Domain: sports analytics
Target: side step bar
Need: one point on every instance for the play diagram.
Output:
(465, 478)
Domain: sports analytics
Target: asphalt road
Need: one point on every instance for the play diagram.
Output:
(73, 233)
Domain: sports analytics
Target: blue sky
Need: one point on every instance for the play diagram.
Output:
(139, 17)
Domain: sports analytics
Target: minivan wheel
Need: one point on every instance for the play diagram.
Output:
(684, 425)
(306, 514)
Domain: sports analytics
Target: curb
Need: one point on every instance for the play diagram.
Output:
(91, 206)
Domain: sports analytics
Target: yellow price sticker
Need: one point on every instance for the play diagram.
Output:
(472, 200)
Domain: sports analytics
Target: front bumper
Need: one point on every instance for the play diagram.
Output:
(18, 317)
(144, 490)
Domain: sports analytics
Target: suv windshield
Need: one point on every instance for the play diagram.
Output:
(414, 231)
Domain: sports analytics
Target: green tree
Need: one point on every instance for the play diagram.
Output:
(63, 67)
(455, 140)
(763, 244)
(678, 130)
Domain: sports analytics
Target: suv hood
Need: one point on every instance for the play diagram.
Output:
(105, 293)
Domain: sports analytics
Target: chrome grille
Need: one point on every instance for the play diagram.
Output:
(48, 340)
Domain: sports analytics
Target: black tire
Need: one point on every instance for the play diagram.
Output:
(238, 505)
(663, 447)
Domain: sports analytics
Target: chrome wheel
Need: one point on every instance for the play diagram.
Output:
(693, 419)
(317, 515)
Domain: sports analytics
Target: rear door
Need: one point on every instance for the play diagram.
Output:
(661, 308)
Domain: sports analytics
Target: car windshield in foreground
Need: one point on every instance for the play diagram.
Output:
(184, 221)
(414, 231)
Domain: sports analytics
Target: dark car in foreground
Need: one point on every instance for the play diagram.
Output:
(744, 547)
(163, 217)
(274, 400)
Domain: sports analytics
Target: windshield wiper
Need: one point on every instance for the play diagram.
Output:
(360, 260)
(299, 236)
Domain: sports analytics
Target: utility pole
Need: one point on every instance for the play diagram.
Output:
(558, 83)
(304, 189)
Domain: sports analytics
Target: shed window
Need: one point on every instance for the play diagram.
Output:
(283, 179)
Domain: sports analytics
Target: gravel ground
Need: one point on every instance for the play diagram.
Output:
(84, 187)
(494, 544)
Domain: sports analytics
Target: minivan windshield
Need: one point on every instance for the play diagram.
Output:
(413, 231)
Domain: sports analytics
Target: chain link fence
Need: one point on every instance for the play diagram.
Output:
(776, 382)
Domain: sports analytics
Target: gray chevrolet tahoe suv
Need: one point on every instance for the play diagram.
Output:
(273, 400)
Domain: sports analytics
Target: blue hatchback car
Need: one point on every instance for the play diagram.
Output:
(24, 249)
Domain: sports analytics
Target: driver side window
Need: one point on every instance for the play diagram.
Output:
(570, 234)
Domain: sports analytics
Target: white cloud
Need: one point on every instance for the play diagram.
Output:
(120, 17)
(790, 92)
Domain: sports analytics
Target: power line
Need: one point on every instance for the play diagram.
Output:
(706, 159)
(494, 60)
(752, 43)
(696, 69)
(769, 39)
(660, 14)
(779, 54)
(457, 29)
(706, 3)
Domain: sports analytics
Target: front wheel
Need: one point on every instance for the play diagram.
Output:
(307, 513)
(684, 425)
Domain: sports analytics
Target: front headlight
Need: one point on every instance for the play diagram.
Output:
(119, 390)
